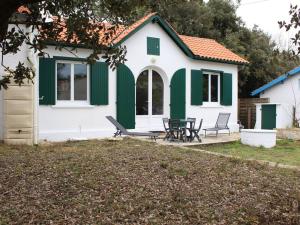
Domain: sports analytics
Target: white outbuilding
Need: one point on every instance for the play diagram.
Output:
(283, 109)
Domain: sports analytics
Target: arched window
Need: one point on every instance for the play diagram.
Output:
(149, 93)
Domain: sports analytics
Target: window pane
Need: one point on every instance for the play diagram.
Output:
(205, 87)
(142, 94)
(80, 82)
(214, 88)
(63, 81)
(157, 94)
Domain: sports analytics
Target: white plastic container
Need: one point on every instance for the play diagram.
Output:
(259, 138)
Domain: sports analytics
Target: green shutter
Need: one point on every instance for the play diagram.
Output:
(99, 83)
(178, 95)
(47, 81)
(153, 46)
(226, 89)
(125, 97)
(196, 87)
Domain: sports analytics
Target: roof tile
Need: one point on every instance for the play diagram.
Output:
(202, 47)
(209, 48)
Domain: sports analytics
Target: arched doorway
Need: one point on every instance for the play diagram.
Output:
(149, 94)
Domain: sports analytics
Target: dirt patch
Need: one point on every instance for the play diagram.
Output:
(292, 134)
(135, 182)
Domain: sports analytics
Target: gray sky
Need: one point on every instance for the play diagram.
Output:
(266, 14)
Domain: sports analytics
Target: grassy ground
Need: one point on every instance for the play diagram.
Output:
(134, 182)
(286, 151)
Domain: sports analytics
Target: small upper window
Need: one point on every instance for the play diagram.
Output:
(71, 81)
(153, 46)
(211, 87)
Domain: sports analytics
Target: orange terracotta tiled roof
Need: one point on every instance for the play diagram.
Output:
(209, 48)
(200, 47)
(103, 38)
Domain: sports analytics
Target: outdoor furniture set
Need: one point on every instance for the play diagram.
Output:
(177, 129)
(182, 129)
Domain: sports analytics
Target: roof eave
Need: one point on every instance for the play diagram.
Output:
(276, 81)
(198, 57)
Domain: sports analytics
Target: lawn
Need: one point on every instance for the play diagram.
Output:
(134, 182)
(286, 151)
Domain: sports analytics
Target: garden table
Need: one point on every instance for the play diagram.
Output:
(184, 123)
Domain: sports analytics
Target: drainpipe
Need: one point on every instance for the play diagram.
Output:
(33, 61)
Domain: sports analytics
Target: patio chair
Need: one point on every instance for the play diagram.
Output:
(192, 127)
(121, 130)
(166, 127)
(195, 132)
(221, 124)
(175, 128)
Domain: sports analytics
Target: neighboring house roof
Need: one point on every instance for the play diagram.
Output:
(276, 81)
(194, 47)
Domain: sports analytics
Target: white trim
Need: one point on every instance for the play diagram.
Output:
(70, 106)
(209, 103)
(72, 103)
(150, 80)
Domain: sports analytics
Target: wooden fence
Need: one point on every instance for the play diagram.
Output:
(247, 110)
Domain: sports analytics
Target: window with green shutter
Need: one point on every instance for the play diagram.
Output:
(196, 87)
(66, 81)
(153, 46)
(226, 89)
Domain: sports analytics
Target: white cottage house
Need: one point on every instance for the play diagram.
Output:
(165, 75)
(284, 96)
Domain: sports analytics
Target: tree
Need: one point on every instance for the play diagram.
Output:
(294, 23)
(77, 22)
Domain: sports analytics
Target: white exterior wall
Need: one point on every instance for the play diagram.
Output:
(286, 95)
(56, 123)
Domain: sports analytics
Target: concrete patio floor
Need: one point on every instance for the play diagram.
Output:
(210, 139)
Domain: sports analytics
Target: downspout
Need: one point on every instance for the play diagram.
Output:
(32, 58)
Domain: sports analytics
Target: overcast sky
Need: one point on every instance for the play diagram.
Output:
(266, 14)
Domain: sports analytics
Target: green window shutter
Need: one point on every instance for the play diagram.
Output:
(226, 89)
(153, 46)
(47, 81)
(99, 84)
(178, 95)
(125, 97)
(196, 87)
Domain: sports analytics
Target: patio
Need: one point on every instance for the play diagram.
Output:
(210, 139)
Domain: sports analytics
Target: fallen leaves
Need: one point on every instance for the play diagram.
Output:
(134, 182)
